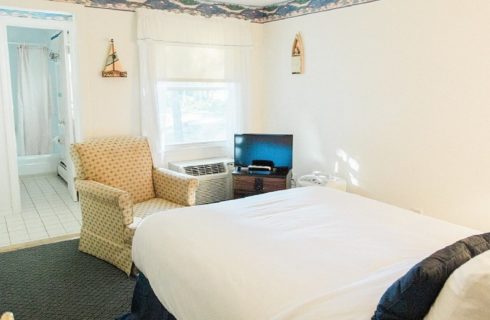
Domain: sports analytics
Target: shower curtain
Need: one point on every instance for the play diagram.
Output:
(33, 101)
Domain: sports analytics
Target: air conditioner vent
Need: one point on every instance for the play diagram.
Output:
(205, 169)
(210, 191)
(214, 175)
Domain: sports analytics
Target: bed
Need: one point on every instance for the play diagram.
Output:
(303, 253)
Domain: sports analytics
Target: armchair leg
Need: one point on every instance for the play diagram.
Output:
(134, 271)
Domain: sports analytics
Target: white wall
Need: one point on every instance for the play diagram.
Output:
(109, 106)
(401, 90)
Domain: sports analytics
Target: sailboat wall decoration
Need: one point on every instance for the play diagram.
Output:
(113, 67)
(297, 55)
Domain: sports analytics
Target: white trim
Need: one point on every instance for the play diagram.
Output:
(8, 122)
(72, 95)
(75, 78)
(36, 23)
(206, 45)
(196, 145)
(37, 10)
(198, 80)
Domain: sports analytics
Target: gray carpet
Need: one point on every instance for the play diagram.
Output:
(56, 281)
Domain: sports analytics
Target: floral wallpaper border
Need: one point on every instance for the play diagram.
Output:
(297, 8)
(284, 10)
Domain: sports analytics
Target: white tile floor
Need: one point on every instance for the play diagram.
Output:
(47, 211)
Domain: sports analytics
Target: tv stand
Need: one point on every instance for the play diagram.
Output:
(248, 183)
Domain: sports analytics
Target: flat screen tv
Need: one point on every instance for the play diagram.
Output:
(250, 148)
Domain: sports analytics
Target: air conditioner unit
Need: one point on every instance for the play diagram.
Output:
(215, 180)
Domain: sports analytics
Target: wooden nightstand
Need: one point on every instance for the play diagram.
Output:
(248, 184)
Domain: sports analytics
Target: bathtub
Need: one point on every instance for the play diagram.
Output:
(40, 164)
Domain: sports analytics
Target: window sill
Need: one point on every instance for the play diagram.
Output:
(197, 145)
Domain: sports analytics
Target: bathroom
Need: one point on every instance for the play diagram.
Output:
(38, 199)
(35, 62)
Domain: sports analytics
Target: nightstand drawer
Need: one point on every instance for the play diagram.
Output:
(249, 185)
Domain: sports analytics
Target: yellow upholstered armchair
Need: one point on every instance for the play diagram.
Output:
(118, 187)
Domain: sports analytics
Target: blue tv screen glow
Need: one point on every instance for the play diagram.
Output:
(273, 147)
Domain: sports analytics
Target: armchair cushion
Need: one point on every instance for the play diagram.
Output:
(149, 207)
(176, 187)
(121, 162)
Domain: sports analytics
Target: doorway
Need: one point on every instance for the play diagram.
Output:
(40, 121)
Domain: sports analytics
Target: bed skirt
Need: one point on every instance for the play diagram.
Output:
(145, 304)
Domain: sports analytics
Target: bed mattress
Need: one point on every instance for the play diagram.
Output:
(304, 253)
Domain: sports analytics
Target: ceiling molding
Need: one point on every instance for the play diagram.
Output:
(280, 11)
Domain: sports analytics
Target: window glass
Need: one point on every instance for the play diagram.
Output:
(195, 112)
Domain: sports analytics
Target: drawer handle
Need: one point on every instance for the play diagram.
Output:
(259, 184)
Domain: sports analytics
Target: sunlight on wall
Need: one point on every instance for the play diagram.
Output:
(352, 166)
(353, 179)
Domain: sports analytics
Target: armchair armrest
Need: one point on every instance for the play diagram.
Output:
(176, 187)
(108, 196)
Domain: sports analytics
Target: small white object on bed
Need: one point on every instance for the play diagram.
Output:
(304, 253)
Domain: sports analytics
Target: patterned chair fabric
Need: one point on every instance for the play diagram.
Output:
(117, 183)
(122, 163)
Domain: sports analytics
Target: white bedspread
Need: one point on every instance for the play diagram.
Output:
(304, 253)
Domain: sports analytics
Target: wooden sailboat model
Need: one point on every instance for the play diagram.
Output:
(113, 67)
(297, 55)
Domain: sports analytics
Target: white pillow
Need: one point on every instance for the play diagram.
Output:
(466, 293)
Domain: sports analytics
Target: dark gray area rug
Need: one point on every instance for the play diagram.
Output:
(56, 281)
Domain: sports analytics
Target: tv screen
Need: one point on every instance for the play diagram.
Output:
(271, 147)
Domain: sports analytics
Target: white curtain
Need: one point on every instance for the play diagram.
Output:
(176, 47)
(33, 125)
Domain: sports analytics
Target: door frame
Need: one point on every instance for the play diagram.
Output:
(71, 94)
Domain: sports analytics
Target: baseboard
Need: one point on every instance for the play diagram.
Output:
(36, 243)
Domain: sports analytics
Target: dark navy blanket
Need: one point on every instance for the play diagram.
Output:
(145, 304)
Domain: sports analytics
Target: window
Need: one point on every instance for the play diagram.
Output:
(197, 93)
(195, 112)
(194, 86)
